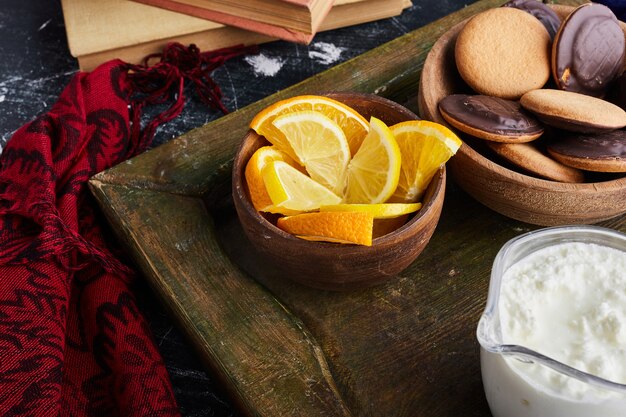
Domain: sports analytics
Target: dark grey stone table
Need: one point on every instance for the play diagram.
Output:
(35, 65)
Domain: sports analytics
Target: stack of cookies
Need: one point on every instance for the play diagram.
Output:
(548, 95)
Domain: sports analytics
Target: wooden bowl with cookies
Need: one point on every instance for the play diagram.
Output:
(540, 146)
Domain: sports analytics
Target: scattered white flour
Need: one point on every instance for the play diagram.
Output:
(44, 25)
(326, 53)
(264, 65)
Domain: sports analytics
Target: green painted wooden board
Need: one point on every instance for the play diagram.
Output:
(406, 348)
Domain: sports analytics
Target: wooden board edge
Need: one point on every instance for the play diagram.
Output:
(312, 391)
(395, 77)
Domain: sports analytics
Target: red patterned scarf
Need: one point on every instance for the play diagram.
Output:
(72, 341)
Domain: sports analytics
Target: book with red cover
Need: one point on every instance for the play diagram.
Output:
(291, 20)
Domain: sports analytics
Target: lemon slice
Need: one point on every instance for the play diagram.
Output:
(338, 227)
(351, 122)
(292, 192)
(378, 211)
(424, 146)
(374, 170)
(254, 177)
(319, 144)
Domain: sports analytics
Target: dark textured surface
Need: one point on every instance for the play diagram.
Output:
(36, 66)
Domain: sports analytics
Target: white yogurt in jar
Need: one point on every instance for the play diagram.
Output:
(568, 302)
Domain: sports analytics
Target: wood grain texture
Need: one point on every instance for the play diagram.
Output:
(504, 190)
(266, 356)
(405, 348)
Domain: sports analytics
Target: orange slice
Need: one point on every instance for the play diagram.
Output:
(351, 122)
(378, 211)
(424, 146)
(254, 178)
(337, 227)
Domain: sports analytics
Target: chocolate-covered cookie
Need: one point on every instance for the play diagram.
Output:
(605, 152)
(543, 12)
(588, 50)
(490, 118)
(574, 112)
(617, 92)
(531, 159)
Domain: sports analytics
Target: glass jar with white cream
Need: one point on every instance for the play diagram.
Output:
(553, 334)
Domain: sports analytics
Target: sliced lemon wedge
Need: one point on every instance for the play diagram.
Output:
(293, 192)
(374, 170)
(319, 144)
(351, 122)
(254, 174)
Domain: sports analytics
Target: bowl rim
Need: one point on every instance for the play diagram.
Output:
(592, 187)
(435, 190)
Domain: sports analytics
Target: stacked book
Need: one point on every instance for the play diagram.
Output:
(98, 31)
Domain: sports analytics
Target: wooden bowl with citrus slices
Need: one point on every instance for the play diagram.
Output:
(324, 193)
(503, 188)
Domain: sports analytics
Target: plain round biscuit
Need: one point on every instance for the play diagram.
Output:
(503, 52)
(573, 111)
(528, 157)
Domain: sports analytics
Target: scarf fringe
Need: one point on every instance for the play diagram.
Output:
(51, 238)
(165, 80)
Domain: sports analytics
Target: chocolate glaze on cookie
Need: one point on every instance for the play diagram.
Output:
(544, 13)
(588, 50)
(490, 118)
(617, 92)
(604, 152)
